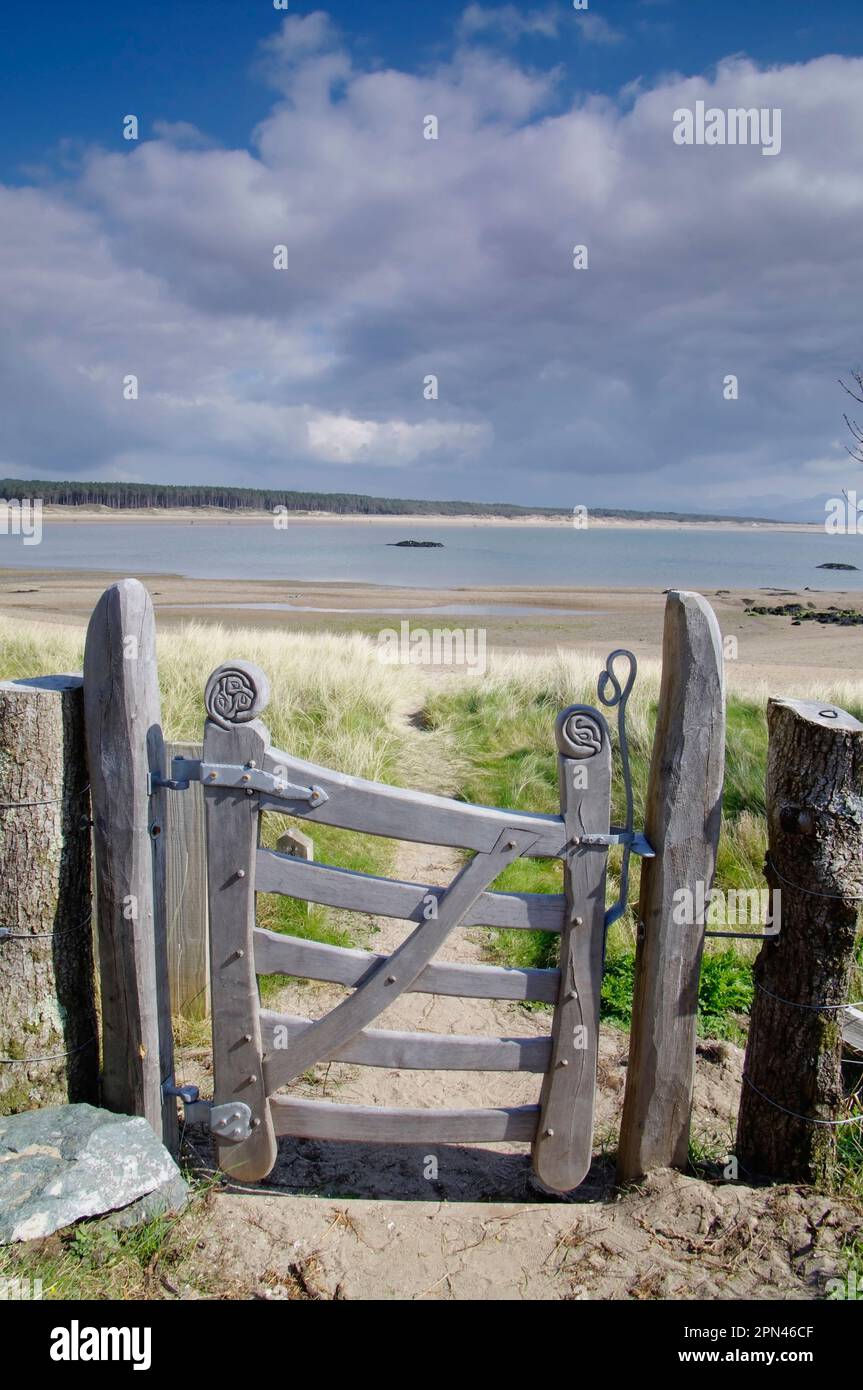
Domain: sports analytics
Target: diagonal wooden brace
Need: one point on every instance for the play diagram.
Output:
(399, 971)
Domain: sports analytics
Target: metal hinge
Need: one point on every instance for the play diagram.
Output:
(244, 777)
(231, 1123)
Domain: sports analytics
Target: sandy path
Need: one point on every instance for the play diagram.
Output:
(464, 1171)
(364, 1221)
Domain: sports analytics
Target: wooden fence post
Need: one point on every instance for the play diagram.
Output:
(682, 820)
(815, 869)
(46, 937)
(186, 887)
(124, 746)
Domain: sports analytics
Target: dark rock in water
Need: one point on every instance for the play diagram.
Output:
(68, 1162)
(832, 565)
(419, 545)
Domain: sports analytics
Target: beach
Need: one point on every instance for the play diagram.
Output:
(188, 515)
(769, 649)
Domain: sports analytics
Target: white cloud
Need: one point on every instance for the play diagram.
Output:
(452, 257)
(508, 21)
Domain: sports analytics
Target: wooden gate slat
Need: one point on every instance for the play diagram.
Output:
(280, 954)
(371, 1124)
(418, 1051)
(386, 897)
(401, 969)
(402, 814)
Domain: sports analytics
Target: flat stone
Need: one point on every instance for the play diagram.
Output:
(68, 1162)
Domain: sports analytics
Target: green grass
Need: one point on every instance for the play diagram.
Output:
(92, 1261)
(332, 702)
(503, 727)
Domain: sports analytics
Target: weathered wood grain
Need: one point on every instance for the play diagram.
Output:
(815, 871)
(384, 897)
(400, 814)
(47, 982)
(563, 1145)
(852, 1028)
(186, 889)
(232, 823)
(384, 985)
(320, 1119)
(276, 954)
(124, 746)
(684, 806)
(417, 1051)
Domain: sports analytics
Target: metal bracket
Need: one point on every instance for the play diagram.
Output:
(242, 777)
(634, 840)
(232, 1123)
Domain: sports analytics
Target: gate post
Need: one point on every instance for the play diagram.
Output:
(682, 820)
(792, 1077)
(125, 747)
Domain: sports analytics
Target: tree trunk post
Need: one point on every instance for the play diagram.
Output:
(682, 820)
(125, 747)
(815, 870)
(48, 1027)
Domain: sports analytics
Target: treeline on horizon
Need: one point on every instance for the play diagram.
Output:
(157, 496)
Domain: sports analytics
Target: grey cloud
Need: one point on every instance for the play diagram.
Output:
(453, 257)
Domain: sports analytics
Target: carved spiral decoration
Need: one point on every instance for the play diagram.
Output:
(236, 693)
(580, 733)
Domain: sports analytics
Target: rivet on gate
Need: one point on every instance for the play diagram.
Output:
(211, 776)
(549, 1134)
(251, 1079)
(391, 979)
(251, 763)
(572, 994)
(510, 844)
(246, 777)
(238, 955)
(241, 873)
(247, 1037)
(564, 1062)
(256, 1124)
(579, 921)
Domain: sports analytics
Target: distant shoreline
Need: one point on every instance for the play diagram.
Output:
(219, 516)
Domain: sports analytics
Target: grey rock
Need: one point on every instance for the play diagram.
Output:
(68, 1162)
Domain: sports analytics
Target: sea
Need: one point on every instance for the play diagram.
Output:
(754, 558)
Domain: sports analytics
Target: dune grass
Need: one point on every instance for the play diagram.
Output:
(332, 702)
(503, 725)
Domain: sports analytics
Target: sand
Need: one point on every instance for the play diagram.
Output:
(71, 514)
(592, 620)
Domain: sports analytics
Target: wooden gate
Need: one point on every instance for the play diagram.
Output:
(256, 1052)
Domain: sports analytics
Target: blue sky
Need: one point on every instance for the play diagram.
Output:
(66, 68)
(410, 257)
